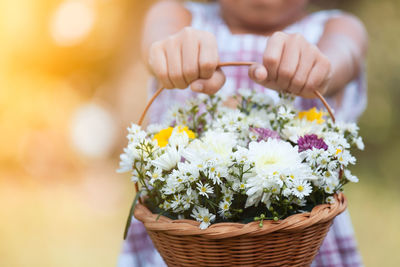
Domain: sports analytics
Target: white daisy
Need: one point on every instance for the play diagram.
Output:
(178, 137)
(214, 145)
(330, 200)
(300, 127)
(203, 215)
(277, 156)
(204, 189)
(155, 128)
(168, 160)
(329, 189)
(285, 113)
(350, 176)
(177, 200)
(155, 175)
(301, 188)
(359, 143)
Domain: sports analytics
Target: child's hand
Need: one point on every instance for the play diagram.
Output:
(189, 57)
(291, 64)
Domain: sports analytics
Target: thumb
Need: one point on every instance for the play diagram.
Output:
(258, 73)
(209, 86)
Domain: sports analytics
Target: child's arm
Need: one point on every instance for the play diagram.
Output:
(177, 54)
(294, 65)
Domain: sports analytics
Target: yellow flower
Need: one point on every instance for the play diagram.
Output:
(185, 129)
(163, 136)
(312, 115)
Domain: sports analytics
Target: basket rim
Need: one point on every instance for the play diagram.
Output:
(319, 214)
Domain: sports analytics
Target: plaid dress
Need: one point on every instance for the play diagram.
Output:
(339, 247)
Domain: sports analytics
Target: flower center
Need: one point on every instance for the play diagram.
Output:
(270, 161)
(300, 188)
(206, 219)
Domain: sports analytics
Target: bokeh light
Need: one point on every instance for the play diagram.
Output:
(72, 21)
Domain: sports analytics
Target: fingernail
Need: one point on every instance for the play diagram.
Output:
(198, 87)
(258, 73)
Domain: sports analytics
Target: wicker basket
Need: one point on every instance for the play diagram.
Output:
(291, 242)
(294, 241)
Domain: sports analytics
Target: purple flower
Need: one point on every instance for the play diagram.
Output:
(309, 141)
(264, 134)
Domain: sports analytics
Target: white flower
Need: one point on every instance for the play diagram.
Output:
(255, 191)
(301, 188)
(334, 141)
(360, 143)
(176, 201)
(189, 169)
(300, 127)
(330, 200)
(203, 215)
(155, 128)
(241, 155)
(171, 186)
(205, 189)
(224, 208)
(352, 128)
(258, 118)
(277, 156)
(238, 185)
(126, 162)
(168, 160)
(155, 175)
(214, 145)
(178, 137)
(350, 177)
(287, 192)
(231, 121)
(262, 99)
(134, 129)
(285, 113)
(328, 189)
(344, 157)
(300, 202)
(166, 205)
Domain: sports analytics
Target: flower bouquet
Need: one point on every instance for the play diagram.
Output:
(259, 184)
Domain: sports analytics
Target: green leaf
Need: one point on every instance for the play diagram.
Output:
(129, 220)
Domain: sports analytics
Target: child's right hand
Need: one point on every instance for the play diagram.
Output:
(189, 57)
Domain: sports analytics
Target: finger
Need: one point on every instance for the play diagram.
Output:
(208, 56)
(158, 62)
(190, 55)
(307, 60)
(174, 64)
(317, 78)
(273, 53)
(209, 86)
(258, 73)
(288, 66)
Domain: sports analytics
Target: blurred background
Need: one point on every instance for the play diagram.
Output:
(71, 80)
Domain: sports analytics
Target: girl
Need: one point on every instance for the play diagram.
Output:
(296, 52)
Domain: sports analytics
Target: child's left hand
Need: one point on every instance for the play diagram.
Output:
(291, 64)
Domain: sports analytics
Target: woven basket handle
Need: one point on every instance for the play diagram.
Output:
(225, 64)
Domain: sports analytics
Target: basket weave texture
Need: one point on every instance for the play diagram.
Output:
(294, 241)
